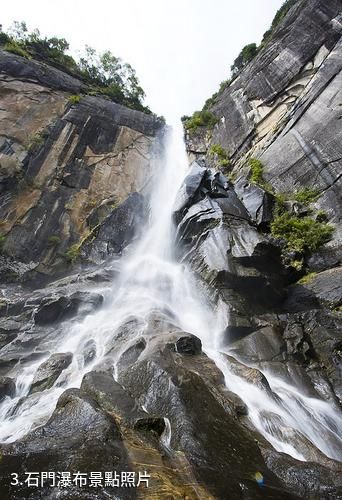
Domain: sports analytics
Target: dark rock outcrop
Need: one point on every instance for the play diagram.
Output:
(49, 371)
(7, 387)
(56, 310)
(189, 344)
(218, 238)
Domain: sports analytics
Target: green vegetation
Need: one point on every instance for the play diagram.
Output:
(246, 55)
(2, 241)
(200, 119)
(54, 240)
(257, 174)
(306, 195)
(307, 278)
(301, 234)
(74, 99)
(321, 216)
(4, 38)
(257, 169)
(73, 253)
(15, 48)
(104, 74)
(221, 153)
(35, 143)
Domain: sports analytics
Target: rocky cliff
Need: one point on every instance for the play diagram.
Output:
(68, 163)
(284, 108)
(90, 380)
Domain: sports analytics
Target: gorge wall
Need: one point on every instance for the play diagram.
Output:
(285, 109)
(68, 161)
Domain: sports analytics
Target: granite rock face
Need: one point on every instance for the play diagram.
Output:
(64, 167)
(285, 108)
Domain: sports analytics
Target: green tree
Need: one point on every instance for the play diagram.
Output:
(246, 55)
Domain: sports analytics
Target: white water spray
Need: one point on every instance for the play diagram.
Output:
(151, 281)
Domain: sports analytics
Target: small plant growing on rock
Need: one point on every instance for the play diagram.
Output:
(301, 234)
(74, 99)
(221, 153)
(257, 174)
(257, 169)
(15, 48)
(306, 195)
(35, 143)
(307, 278)
(2, 241)
(54, 240)
(202, 118)
(73, 253)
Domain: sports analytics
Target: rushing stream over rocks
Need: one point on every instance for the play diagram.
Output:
(154, 327)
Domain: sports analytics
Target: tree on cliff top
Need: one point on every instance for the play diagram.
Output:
(105, 73)
(246, 55)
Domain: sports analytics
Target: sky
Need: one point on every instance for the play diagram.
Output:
(180, 49)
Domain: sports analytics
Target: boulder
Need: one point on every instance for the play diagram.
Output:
(79, 437)
(117, 230)
(189, 345)
(131, 354)
(199, 425)
(307, 479)
(62, 308)
(89, 351)
(7, 387)
(258, 202)
(190, 188)
(49, 371)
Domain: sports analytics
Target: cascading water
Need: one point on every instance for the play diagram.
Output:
(152, 281)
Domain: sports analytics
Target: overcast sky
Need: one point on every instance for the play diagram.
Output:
(181, 49)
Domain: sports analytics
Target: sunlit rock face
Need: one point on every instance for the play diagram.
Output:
(64, 168)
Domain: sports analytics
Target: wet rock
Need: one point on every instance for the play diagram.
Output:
(323, 331)
(200, 425)
(257, 201)
(190, 345)
(299, 298)
(89, 351)
(297, 346)
(63, 308)
(251, 375)
(130, 356)
(308, 479)
(150, 424)
(49, 371)
(190, 188)
(264, 344)
(217, 238)
(325, 258)
(111, 396)
(7, 387)
(118, 229)
(239, 406)
(79, 436)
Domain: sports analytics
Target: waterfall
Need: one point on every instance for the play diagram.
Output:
(152, 281)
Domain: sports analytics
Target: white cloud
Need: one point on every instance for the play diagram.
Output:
(181, 49)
